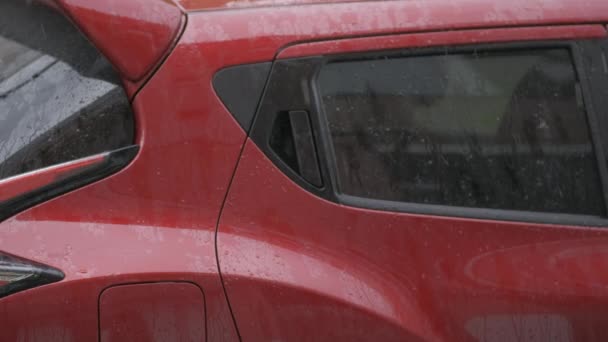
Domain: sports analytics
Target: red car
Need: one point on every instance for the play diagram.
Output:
(303, 170)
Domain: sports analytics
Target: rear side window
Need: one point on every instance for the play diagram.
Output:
(496, 129)
(60, 99)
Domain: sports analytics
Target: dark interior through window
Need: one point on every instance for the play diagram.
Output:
(495, 129)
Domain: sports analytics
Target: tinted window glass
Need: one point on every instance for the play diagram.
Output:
(59, 97)
(504, 130)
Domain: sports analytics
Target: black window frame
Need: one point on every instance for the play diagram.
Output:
(312, 102)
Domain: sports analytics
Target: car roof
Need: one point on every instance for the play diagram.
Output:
(206, 5)
(478, 13)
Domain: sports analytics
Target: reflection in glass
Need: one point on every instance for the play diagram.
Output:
(60, 99)
(504, 130)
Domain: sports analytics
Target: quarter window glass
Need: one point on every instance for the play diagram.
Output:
(60, 99)
(502, 130)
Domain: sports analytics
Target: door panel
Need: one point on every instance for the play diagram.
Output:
(304, 262)
(292, 262)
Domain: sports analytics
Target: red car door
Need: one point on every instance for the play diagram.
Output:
(431, 186)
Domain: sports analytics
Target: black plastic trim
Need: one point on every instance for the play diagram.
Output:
(287, 90)
(592, 120)
(306, 151)
(42, 275)
(113, 161)
(477, 213)
(240, 88)
(593, 65)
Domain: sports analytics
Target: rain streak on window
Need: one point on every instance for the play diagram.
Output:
(60, 99)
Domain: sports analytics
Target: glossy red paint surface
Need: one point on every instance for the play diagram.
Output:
(23, 183)
(418, 15)
(443, 38)
(152, 312)
(344, 273)
(512, 12)
(263, 31)
(95, 256)
(132, 34)
(205, 5)
(153, 221)
(294, 265)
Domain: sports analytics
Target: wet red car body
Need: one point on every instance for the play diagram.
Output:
(203, 237)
